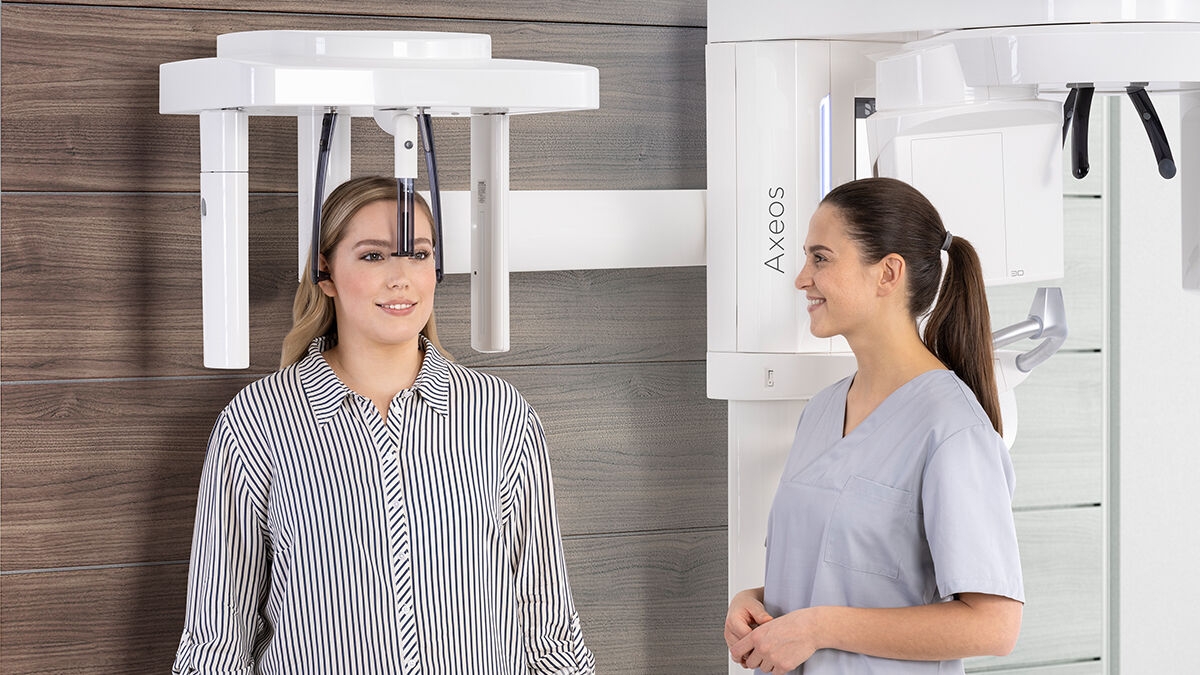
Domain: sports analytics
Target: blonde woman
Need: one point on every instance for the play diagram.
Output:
(373, 507)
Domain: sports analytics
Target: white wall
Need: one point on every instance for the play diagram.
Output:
(1157, 416)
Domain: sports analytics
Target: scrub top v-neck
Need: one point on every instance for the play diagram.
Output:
(911, 507)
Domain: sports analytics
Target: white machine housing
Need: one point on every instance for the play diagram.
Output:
(967, 107)
(388, 75)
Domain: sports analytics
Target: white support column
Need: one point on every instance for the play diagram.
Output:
(1188, 158)
(489, 233)
(224, 238)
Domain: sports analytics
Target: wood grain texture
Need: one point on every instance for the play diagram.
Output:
(635, 447)
(92, 622)
(652, 603)
(80, 105)
(112, 289)
(107, 472)
(648, 603)
(1059, 452)
(1062, 556)
(627, 12)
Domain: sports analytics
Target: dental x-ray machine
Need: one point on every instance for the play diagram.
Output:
(963, 100)
(400, 79)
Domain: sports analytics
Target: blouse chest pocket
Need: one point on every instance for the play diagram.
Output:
(874, 528)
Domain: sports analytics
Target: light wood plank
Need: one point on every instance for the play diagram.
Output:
(80, 109)
(1059, 451)
(1062, 556)
(113, 290)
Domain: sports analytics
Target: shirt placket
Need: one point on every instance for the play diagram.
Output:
(388, 440)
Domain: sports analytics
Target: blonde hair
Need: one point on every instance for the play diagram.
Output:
(313, 312)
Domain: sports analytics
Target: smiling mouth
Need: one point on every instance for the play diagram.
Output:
(398, 305)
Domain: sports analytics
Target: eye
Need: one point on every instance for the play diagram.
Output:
(819, 258)
(372, 256)
(422, 254)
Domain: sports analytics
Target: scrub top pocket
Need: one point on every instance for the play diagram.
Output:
(872, 527)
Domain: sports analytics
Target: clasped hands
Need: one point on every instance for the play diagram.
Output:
(758, 640)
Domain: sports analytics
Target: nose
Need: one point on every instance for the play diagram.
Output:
(804, 278)
(398, 271)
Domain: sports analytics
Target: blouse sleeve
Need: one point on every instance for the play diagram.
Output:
(229, 563)
(967, 498)
(553, 637)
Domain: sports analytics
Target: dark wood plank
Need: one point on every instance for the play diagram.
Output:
(118, 620)
(651, 603)
(109, 286)
(107, 472)
(635, 447)
(80, 105)
(648, 603)
(629, 12)
(104, 472)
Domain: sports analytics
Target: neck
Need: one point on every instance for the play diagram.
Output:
(888, 356)
(378, 372)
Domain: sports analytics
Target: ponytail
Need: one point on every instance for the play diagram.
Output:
(885, 215)
(959, 330)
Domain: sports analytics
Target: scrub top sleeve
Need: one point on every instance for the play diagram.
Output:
(967, 502)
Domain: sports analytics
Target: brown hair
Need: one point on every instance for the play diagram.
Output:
(885, 215)
(313, 313)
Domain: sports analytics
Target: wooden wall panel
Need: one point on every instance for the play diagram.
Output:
(112, 289)
(106, 408)
(645, 601)
(106, 472)
(80, 105)
(630, 12)
(92, 622)
(652, 603)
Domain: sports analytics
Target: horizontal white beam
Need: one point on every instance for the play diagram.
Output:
(586, 229)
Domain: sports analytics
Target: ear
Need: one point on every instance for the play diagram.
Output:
(326, 283)
(892, 270)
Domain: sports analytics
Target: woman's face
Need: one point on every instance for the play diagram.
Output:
(381, 299)
(839, 287)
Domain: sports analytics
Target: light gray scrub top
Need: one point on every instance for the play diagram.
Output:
(912, 507)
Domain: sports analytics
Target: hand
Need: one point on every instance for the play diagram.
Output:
(778, 646)
(746, 612)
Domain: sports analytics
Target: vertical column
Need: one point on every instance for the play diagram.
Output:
(1189, 174)
(489, 233)
(224, 238)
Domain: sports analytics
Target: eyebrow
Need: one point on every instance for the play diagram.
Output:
(817, 247)
(380, 243)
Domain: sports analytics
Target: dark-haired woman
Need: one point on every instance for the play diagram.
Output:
(891, 546)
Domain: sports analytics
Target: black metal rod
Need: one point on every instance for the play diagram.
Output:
(1154, 129)
(405, 218)
(435, 197)
(1079, 131)
(1068, 111)
(328, 122)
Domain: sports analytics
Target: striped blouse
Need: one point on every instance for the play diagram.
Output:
(328, 540)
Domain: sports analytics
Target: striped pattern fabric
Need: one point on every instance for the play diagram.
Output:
(328, 540)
